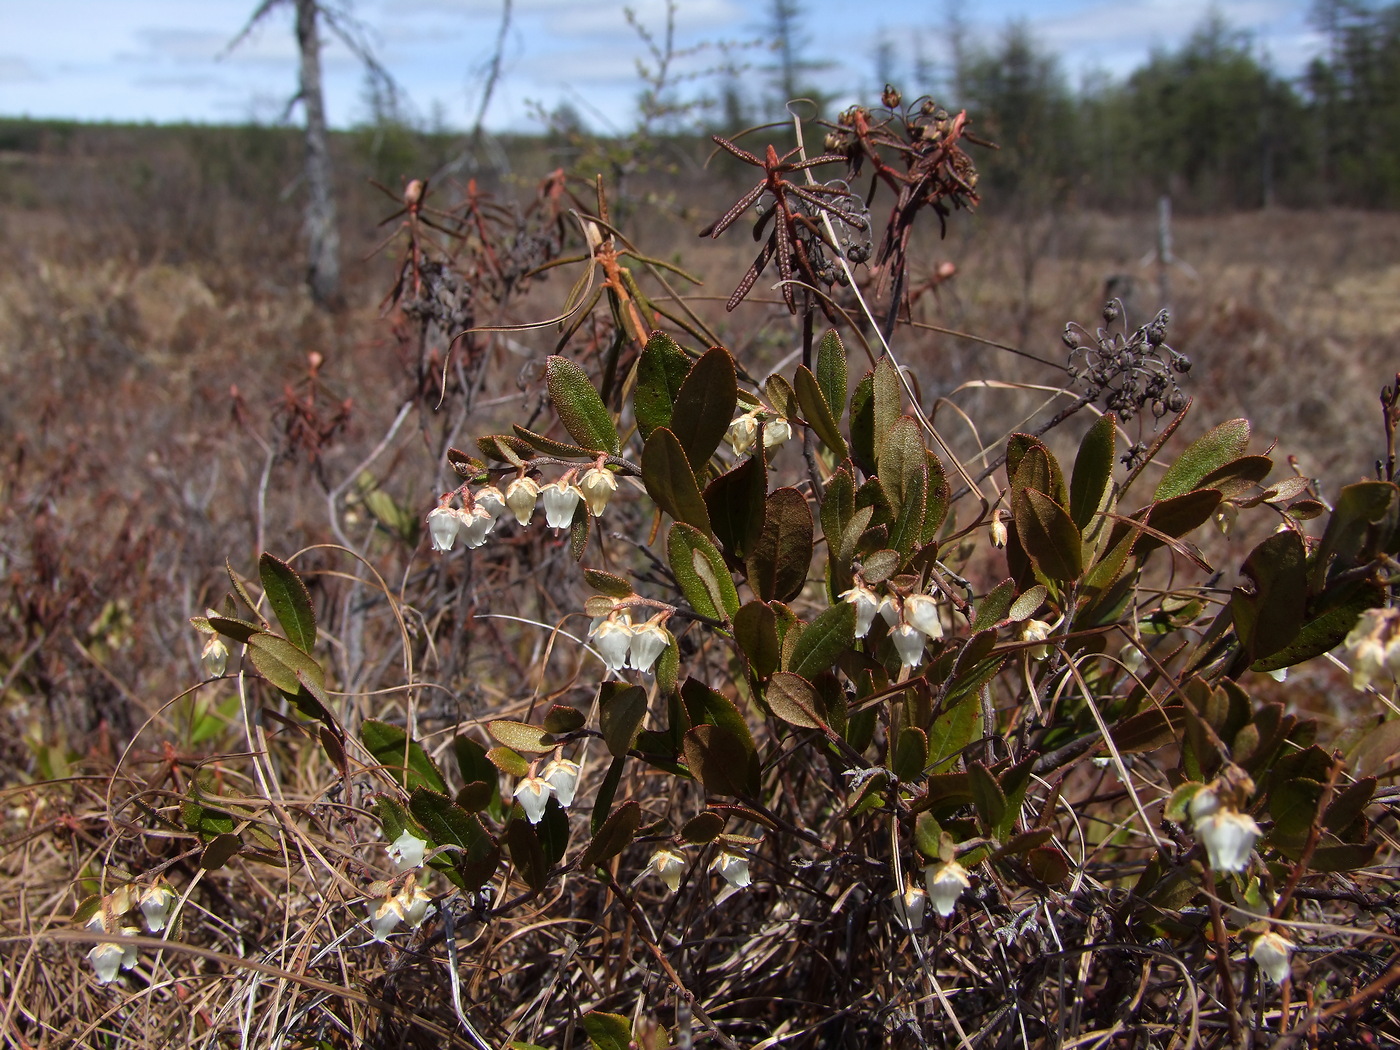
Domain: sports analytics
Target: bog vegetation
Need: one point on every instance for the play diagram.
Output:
(840, 628)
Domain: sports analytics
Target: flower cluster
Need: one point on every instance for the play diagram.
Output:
(559, 779)
(1374, 647)
(913, 619)
(743, 432)
(409, 906)
(481, 508)
(113, 917)
(622, 644)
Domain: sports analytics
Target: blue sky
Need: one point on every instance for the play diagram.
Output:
(165, 60)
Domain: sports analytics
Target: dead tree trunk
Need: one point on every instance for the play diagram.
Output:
(322, 235)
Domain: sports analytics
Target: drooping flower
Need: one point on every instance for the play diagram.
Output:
(560, 500)
(156, 903)
(385, 915)
(909, 906)
(775, 432)
(214, 657)
(1036, 631)
(613, 640)
(863, 598)
(891, 610)
(921, 613)
(533, 795)
(1271, 951)
(909, 642)
(106, 959)
(406, 851)
(489, 499)
(945, 884)
(668, 865)
(1229, 837)
(1373, 646)
(997, 531)
(649, 641)
(597, 485)
(476, 525)
(733, 867)
(443, 524)
(742, 433)
(562, 776)
(521, 496)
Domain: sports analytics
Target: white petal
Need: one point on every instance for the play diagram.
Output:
(533, 795)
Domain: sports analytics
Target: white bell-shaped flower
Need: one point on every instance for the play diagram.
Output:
(521, 496)
(533, 795)
(1229, 838)
(742, 434)
(406, 851)
(156, 903)
(921, 613)
(562, 777)
(909, 643)
(668, 865)
(214, 658)
(997, 531)
(1271, 951)
(775, 432)
(385, 915)
(443, 525)
(107, 959)
(597, 485)
(413, 905)
(863, 598)
(1035, 631)
(891, 610)
(909, 906)
(476, 526)
(733, 867)
(613, 641)
(560, 501)
(945, 884)
(490, 499)
(649, 641)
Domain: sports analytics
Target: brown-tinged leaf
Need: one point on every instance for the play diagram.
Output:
(290, 601)
(1048, 535)
(521, 736)
(792, 698)
(704, 407)
(780, 559)
(614, 836)
(580, 409)
(670, 481)
(721, 762)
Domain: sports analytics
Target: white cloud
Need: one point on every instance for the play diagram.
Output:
(15, 69)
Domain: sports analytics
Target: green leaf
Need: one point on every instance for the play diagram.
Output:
(818, 413)
(700, 570)
(1211, 451)
(614, 836)
(622, 709)
(1269, 615)
(1026, 604)
(505, 448)
(1093, 472)
(902, 463)
(938, 494)
(521, 736)
(1240, 475)
(832, 372)
(661, 369)
(781, 396)
(910, 753)
(780, 559)
(888, 395)
(670, 481)
(734, 501)
(405, 759)
(863, 424)
(705, 407)
(1048, 535)
(608, 583)
(1325, 630)
(526, 853)
(906, 533)
(721, 762)
(756, 632)
(1031, 464)
(704, 706)
(702, 828)
(987, 796)
(561, 718)
(792, 698)
(449, 824)
(1177, 516)
(993, 607)
(548, 445)
(823, 640)
(1350, 529)
(607, 1031)
(290, 600)
(956, 727)
(580, 409)
(509, 762)
(221, 850)
(278, 660)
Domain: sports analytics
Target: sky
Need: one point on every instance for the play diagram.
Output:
(169, 60)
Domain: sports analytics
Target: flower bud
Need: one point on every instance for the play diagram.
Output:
(214, 657)
(945, 884)
(668, 865)
(443, 524)
(489, 499)
(562, 777)
(406, 851)
(742, 434)
(1271, 952)
(597, 485)
(863, 598)
(560, 500)
(521, 495)
(533, 795)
